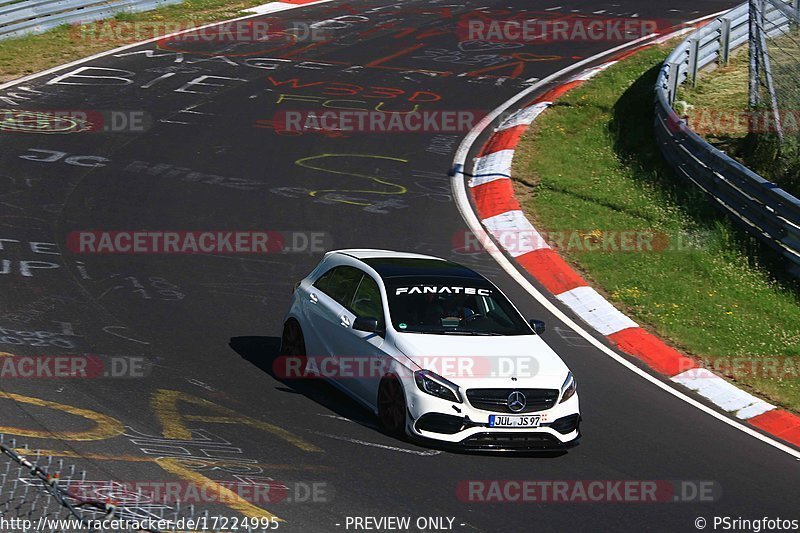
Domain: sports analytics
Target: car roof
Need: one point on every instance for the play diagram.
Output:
(391, 264)
(372, 253)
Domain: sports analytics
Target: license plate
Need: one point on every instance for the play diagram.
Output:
(503, 421)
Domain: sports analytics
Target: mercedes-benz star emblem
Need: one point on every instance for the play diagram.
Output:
(516, 401)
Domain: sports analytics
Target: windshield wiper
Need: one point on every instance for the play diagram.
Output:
(479, 333)
(454, 332)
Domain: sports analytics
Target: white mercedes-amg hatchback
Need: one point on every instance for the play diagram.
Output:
(434, 349)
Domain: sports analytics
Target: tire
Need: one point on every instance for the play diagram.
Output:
(392, 407)
(293, 343)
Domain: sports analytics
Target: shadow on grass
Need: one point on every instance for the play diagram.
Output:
(634, 142)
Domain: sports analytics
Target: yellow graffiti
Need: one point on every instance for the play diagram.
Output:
(22, 121)
(173, 422)
(6, 354)
(396, 189)
(105, 426)
(212, 488)
(524, 56)
(517, 67)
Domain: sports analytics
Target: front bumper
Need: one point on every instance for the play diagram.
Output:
(516, 442)
(463, 427)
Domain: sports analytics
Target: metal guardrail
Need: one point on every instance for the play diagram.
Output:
(759, 206)
(21, 17)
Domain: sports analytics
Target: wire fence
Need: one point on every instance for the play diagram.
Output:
(41, 493)
(757, 205)
(775, 63)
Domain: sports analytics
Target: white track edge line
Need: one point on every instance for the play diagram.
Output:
(423, 453)
(464, 207)
(29, 77)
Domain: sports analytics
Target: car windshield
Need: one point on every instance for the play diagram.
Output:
(454, 306)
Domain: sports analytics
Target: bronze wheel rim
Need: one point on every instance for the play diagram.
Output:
(292, 342)
(392, 406)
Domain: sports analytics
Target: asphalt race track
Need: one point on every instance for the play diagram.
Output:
(208, 326)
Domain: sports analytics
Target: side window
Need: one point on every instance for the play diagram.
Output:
(340, 283)
(367, 300)
(324, 281)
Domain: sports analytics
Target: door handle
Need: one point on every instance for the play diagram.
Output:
(345, 321)
(313, 298)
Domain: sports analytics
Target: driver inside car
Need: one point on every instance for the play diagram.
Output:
(456, 307)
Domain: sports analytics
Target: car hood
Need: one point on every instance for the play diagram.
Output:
(486, 361)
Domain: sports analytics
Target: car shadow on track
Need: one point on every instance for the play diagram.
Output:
(262, 352)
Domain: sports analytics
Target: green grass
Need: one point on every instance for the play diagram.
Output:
(726, 90)
(591, 163)
(33, 53)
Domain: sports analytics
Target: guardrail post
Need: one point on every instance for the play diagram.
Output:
(674, 74)
(754, 74)
(694, 59)
(725, 40)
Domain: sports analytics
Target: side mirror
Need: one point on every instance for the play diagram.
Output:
(370, 325)
(538, 326)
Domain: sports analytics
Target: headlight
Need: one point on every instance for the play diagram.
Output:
(436, 385)
(569, 388)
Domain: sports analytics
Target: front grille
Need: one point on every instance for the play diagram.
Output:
(511, 441)
(496, 400)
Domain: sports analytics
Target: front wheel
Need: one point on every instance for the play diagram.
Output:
(292, 341)
(392, 407)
